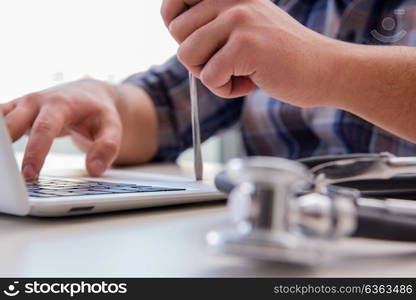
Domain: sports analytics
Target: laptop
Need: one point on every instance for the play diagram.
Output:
(68, 196)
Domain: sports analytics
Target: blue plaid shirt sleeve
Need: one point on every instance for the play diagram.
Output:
(168, 87)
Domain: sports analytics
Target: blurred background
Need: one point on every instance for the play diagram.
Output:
(49, 42)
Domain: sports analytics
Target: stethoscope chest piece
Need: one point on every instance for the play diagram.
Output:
(276, 215)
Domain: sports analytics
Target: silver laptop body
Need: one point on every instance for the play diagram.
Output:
(19, 198)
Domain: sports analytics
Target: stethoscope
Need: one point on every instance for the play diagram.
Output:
(281, 210)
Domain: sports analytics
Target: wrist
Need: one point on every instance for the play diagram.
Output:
(140, 123)
(318, 72)
(330, 70)
(354, 74)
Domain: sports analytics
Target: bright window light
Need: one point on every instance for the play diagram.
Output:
(45, 42)
(48, 42)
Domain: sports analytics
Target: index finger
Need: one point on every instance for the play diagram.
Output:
(45, 129)
(173, 8)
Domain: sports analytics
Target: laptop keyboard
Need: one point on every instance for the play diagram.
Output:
(54, 187)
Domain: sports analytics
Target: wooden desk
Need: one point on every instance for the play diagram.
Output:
(162, 242)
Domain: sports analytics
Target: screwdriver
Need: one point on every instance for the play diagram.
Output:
(196, 128)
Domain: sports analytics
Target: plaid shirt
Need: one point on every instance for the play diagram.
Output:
(269, 126)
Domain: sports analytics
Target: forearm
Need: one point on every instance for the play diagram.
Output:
(377, 83)
(140, 126)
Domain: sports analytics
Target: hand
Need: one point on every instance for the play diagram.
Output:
(234, 45)
(85, 110)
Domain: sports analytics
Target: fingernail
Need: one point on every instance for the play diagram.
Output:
(98, 166)
(29, 172)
